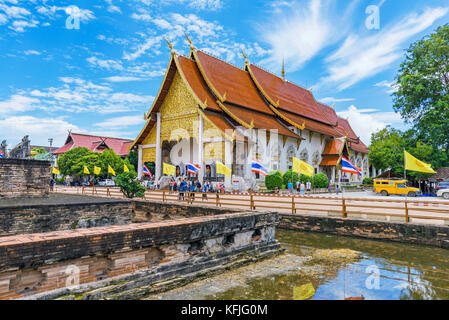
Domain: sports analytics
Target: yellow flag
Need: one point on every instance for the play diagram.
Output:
(169, 170)
(125, 168)
(86, 171)
(222, 169)
(302, 167)
(97, 170)
(55, 170)
(110, 170)
(303, 292)
(413, 164)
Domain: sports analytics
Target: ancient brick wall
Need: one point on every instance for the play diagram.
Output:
(52, 217)
(36, 263)
(24, 178)
(424, 234)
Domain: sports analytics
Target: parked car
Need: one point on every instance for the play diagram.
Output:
(442, 186)
(444, 193)
(106, 183)
(397, 187)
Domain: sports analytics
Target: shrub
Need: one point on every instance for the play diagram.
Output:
(290, 176)
(129, 186)
(273, 180)
(320, 180)
(368, 181)
(303, 178)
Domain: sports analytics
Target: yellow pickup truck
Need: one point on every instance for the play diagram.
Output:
(394, 187)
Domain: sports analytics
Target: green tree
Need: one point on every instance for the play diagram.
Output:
(303, 178)
(290, 176)
(133, 158)
(39, 151)
(387, 150)
(320, 180)
(422, 95)
(273, 180)
(129, 186)
(110, 158)
(73, 161)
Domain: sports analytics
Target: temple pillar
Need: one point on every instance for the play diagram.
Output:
(158, 148)
(333, 174)
(201, 149)
(228, 163)
(140, 162)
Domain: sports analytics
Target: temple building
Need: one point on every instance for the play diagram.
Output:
(95, 143)
(208, 110)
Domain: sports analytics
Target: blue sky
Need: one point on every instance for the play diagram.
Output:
(101, 77)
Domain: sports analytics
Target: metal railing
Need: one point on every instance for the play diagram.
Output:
(402, 210)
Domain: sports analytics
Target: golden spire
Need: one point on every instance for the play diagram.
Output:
(311, 88)
(333, 106)
(244, 56)
(170, 45)
(283, 69)
(190, 41)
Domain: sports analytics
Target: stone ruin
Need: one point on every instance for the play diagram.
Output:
(21, 150)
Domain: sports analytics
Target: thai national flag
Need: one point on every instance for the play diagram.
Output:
(2, 156)
(257, 167)
(347, 166)
(147, 171)
(192, 168)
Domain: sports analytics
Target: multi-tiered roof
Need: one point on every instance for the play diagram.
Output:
(251, 97)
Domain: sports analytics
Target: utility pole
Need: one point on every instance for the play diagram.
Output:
(50, 140)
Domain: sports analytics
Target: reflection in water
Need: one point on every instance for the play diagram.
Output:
(387, 271)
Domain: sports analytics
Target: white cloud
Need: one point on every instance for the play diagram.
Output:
(123, 79)
(20, 25)
(106, 64)
(391, 86)
(18, 103)
(297, 31)
(208, 36)
(334, 100)
(39, 129)
(362, 57)
(365, 122)
(75, 95)
(13, 12)
(32, 52)
(121, 122)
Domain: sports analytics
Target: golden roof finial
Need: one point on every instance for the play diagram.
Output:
(333, 106)
(224, 97)
(251, 126)
(204, 105)
(283, 69)
(244, 56)
(170, 45)
(190, 41)
(311, 88)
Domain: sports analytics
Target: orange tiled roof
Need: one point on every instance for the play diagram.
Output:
(334, 147)
(196, 82)
(233, 82)
(261, 121)
(330, 161)
(291, 97)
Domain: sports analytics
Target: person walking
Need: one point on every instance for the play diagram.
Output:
(337, 189)
(330, 187)
(308, 186)
(303, 189)
(290, 187)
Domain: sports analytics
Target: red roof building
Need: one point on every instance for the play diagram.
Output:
(95, 143)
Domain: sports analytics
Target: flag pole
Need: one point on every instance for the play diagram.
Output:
(405, 170)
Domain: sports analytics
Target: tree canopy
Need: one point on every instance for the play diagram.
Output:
(73, 161)
(387, 151)
(422, 96)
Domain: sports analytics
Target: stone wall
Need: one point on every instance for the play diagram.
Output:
(411, 233)
(67, 212)
(24, 178)
(47, 217)
(160, 211)
(128, 262)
